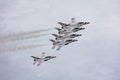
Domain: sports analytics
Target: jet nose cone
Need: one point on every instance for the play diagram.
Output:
(79, 35)
(87, 22)
(75, 40)
(52, 56)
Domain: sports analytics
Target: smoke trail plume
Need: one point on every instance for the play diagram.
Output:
(19, 35)
(28, 47)
(22, 37)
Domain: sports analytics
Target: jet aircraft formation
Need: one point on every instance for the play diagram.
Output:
(66, 35)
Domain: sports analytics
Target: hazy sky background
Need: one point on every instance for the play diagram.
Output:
(96, 56)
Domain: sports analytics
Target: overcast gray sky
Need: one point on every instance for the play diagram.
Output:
(96, 56)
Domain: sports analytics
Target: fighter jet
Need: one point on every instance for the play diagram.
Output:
(61, 37)
(65, 43)
(73, 24)
(43, 58)
(68, 31)
(77, 29)
(66, 25)
(61, 43)
(62, 31)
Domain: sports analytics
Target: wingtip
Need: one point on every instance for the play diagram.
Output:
(32, 56)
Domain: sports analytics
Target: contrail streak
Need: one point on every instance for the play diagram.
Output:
(22, 37)
(22, 34)
(22, 48)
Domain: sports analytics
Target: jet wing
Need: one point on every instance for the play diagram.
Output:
(82, 23)
(46, 59)
(35, 57)
(63, 24)
(49, 57)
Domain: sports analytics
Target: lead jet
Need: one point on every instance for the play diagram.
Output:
(70, 36)
(73, 24)
(66, 25)
(43, 58)
(61, 43)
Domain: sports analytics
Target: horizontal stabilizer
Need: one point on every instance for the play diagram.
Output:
(55, 35)
(35, 57)
(58, 29)
(52, 40)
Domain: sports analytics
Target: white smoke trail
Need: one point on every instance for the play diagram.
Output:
(28, 47)
(22, 37)
(19, 35)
